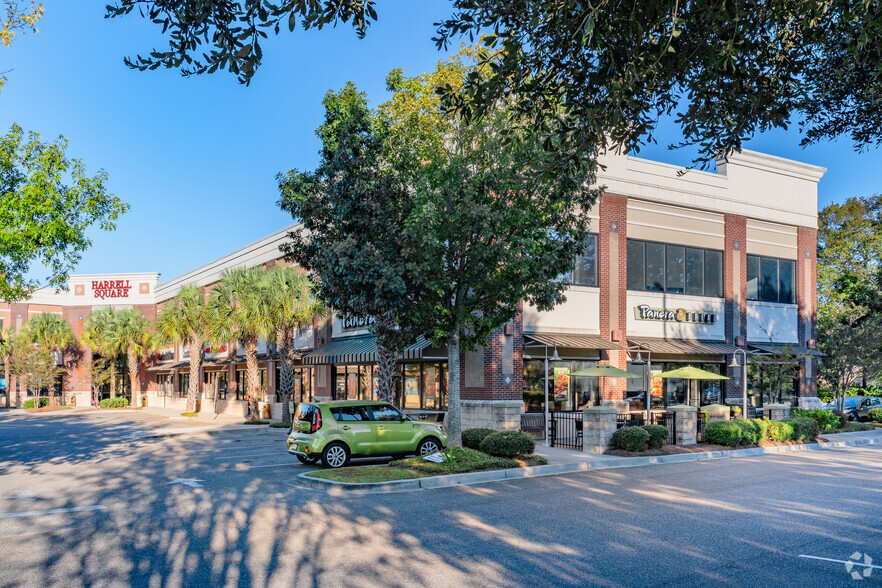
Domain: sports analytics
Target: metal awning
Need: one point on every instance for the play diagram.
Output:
(682, 347)
(778, 349)
(570, 341)
(361, 349)
(163, 365)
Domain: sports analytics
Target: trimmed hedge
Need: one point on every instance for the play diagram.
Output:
(826, 419)
(472, 438)
(280, 425)
(631, 439)
(780, 431)
(804, 428)
(30, 403)
(508, 444)
(658, 435)
(876, 415)
(114, 403)
(727, 433)
(852, 427)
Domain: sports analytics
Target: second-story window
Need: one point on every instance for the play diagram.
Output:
(770, 279)
(585, 271)
(676, 269)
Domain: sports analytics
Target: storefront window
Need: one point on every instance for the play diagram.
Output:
(183, 384)
(672, 391)
(565, 391)
(412, 385)
(215, 383)
(352, 382)
(241, 385)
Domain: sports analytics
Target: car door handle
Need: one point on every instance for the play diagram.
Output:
(345, 428)
(380, 427)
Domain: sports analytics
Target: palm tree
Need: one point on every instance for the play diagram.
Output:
(98, 335)
(183, 320)
(292, 309)
(8, 343)
(50, 333)
(238, 311)
(131, 332)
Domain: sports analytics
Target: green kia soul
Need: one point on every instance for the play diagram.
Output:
(336, 431)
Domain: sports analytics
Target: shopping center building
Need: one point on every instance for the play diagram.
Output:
(680, 269)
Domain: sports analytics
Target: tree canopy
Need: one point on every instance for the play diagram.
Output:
(600, 74)
(47, 205)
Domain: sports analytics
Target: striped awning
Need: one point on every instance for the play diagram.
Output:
(682, 347)
(778, 349)
(361, 349)
(569, 340)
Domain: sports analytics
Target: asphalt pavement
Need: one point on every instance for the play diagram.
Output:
(96, 500)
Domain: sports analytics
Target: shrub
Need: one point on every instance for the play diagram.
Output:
(852, 427)
(779, 431)
(631, 439)
(825, 394)
(114, 403)
(804, 428)
(508, 444)
(729, 433)
(876, 415)
(472, 438)
(256, 423)
(658, 435)
(30, 403)
(280, 425)
(753, 430)
(189, 414)
(826, 419)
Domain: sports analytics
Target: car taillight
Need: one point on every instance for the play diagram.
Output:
(317, 422)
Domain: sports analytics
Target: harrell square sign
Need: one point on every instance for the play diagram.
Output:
(645, 313)
(110, 288)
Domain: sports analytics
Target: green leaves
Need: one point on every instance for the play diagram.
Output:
(47, 205)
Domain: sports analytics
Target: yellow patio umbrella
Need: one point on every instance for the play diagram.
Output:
(691, 373)
(605, 370)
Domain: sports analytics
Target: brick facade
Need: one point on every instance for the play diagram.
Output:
(806, 298)
(735, 293)
(612, 269)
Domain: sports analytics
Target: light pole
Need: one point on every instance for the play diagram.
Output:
(646, 379)
(554, 357)
(734, 364)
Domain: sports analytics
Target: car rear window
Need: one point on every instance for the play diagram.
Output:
(305, 412)
(349, 413)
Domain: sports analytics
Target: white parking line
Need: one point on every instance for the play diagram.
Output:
(270, 465)
(842, 561)
(31, 513)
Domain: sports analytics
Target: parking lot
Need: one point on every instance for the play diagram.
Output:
(94, 500)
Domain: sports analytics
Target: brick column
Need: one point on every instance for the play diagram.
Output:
(807, 303)
(613, 282)
(735, 292)
(715, 412)
(776, 412)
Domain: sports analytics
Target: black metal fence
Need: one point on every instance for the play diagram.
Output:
(566, 429)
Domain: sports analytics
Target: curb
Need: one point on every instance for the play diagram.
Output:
(451, 480)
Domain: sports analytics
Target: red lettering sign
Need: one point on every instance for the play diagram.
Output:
(111, 289)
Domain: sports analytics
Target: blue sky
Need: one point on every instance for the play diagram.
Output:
(196, 158)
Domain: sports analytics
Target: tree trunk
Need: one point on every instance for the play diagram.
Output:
(6, 382)
(454, 421)
(195, 363)
(113, 377)
(133, 376)
(252, 380)
(386, 358)
(285, 345)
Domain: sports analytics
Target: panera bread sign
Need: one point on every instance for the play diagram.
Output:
(110, 289)
(355, 323)
(680, 315)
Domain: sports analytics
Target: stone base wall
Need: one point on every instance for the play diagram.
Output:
(502, 415)
(810, 402)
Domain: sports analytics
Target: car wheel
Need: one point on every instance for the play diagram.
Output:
(308, 460)
(428, 446)
(335, 455)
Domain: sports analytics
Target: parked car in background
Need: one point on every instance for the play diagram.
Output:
(336, 431)
(857, 407)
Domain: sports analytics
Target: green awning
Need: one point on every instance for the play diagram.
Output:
(360, 349)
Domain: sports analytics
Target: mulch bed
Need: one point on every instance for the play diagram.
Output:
(47, 409)
(700, 448)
